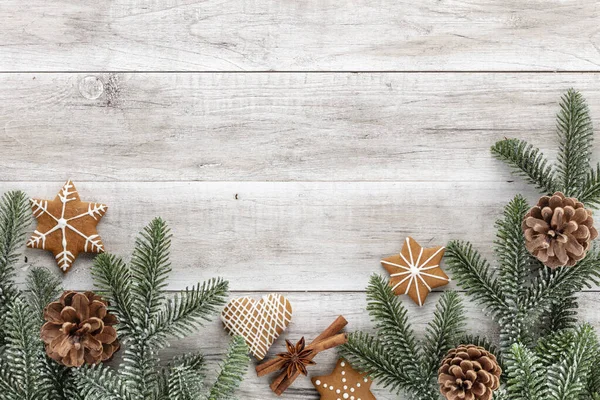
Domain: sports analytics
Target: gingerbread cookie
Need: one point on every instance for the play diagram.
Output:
(416, 270)
(259, 322)
(67, 226)
(344, 383)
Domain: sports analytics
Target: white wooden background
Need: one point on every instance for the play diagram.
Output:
(290, 144)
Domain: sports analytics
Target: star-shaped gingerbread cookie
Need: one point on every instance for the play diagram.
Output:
(67, 226)
(416, 270)
(344, 383)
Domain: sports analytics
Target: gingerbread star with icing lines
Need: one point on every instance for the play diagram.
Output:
(344, 383)
(67, 226)
(416, 270)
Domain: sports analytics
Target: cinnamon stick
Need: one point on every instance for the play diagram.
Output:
(273, 365)
(329, 343)
(336, 326)
(327, 339)
(270, 366)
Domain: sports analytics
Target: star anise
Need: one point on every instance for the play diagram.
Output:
(296, 358)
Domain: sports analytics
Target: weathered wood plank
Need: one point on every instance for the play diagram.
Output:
(326, 236)
(282, 127)
(314, 311)
(292, 36)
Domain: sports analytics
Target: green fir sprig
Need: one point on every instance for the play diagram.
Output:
(394, 357)
(147, 319)
(25, 370)
(527, 299)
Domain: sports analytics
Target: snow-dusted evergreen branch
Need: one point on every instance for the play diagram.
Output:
(148, 319)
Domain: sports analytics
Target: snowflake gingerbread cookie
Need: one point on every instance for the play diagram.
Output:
(415, 271)
(67, 226)
(344, 383)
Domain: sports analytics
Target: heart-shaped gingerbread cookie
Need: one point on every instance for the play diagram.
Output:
(259, 322)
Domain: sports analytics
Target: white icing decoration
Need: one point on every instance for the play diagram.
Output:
(259, 323)
(92, 242)
(415, 270)
(347, 389)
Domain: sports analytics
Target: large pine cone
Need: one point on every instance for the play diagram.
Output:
(469, 372)
(79, 329)
(559, 230)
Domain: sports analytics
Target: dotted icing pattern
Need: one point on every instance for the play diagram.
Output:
(259, 322)
(344, 383)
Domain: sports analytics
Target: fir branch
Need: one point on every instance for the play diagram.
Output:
(372, 356)
(14, 219)
(9, 388)
(474, 275)
(589, 193)
(150, 268)
(100, 383)
(391, 323)
(43, 288)
(113, 278)
(561, 314)
(140, 368)
(185, 312)
(193, 363)
(575, 134)
(513, 257)
(526, 377)
(232, 371)
(130, 291)
(562, 282)
(394, 358)
(23, 351)
(527, 161)
(565, 379)
(62, 385)
(442, 331)
(184, 384)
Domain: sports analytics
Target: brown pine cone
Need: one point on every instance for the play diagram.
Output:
(469, 372)
(558, 230)
(79, 330)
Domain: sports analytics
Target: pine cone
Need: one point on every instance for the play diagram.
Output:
(559, 230)
(469, 372)
(79, 330)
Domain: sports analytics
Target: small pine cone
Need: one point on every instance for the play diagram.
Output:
(79, 330)
(469, 372)
(559, 230)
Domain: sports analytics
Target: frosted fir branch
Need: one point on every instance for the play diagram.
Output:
(232, 370)
(566, 379)
(42, 288)
(371, 355)
(576, 135)
(392, 325)
(526, 378)
(187, 310)
(442, 331)
(527, 161)
(100, 383)
(150, 268)
(513, 258)
(589, 193)
(112, 277)
(474, 275)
